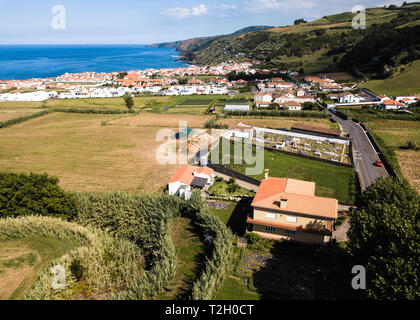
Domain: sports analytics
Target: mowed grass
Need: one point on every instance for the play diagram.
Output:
(403, 83)
(148, 103)
(87, 156)
(162, 120)
(278, 123)
(331, 180)
(203, 100)
(13, 113)
(394, 134)
(18, 104)
(222, 188)
(22, 260)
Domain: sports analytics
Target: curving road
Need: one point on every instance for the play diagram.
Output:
(364, 154)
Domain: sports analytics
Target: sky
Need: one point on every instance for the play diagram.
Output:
(145, 22)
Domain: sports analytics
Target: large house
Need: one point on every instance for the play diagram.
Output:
(391, 104)
(188, 178)
(287, 209)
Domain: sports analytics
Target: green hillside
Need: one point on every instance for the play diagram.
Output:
(326, 45)
(403, 83)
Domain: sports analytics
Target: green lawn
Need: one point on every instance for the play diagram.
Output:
(234, 287)
(403, 83)
(225, 214)
(22, 260)
(331, 180)
(201, 100)
(221, 188)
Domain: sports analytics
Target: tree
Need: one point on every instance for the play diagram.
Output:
(34, 194)
(384, 237)
(129, 102)
(299, 21)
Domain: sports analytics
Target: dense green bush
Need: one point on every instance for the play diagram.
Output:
(384, 237)
(147, 221)
(93, 111)
(34, 194)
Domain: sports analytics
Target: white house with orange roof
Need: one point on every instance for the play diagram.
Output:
(188, 178)
(391, 104)
(288, 209)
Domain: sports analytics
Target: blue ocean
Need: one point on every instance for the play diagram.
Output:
(36, 61)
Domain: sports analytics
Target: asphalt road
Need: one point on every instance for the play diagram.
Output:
(364, 154)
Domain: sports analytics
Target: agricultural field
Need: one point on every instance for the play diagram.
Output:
(146, 103)
(13, 113)
(89, 156)
(22, 260)
(393, 135)
(277, 123)
(331, 180)
(187, 110)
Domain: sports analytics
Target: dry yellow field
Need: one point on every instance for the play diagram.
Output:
(277, 122)
(8, 114)
(88, 156)
(395, 134)
(163, 120)
(17, 104)
(409, 162)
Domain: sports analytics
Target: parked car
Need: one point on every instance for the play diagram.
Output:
(379, 163)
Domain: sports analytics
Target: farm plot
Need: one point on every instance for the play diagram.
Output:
(163, 120)
(88, 156)
(393, 136)
(285, 123)
(146, 103)
(9, 113)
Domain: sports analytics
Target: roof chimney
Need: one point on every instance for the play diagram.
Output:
(266, 173)
(283, 203)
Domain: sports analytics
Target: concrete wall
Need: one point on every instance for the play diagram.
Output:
(280, 234)
(280, 218)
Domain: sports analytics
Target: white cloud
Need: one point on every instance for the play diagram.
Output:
(270, 5)
(182, 13)
(229, 7)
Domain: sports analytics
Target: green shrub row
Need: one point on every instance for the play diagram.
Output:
(218, 239)
(276, 113)
(212, 124)
(11, 122)
(93, 111)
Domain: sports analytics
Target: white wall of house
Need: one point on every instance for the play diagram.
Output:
(295, 108)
